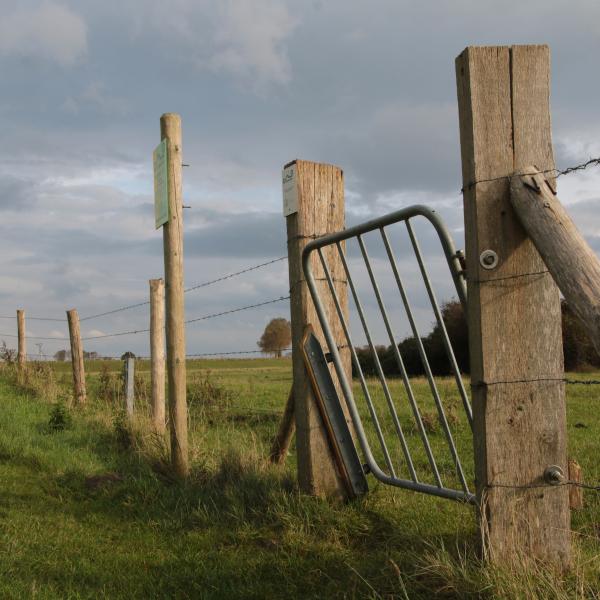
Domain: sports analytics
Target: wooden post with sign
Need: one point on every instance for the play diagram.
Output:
(514, 314)
(22, 339)
(168, 173)
(77, 357)
(313, 197)
(157, 353)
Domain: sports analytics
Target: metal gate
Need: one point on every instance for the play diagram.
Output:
(421, 464)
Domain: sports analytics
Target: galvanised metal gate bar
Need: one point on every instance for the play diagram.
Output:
(454, 259)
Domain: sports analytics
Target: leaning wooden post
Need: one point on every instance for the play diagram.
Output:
(574, 266)
(22, 346)
(285, 432)
(513, 309)
(157, 353)
(313, 206)
(170, 129)
(76, 356)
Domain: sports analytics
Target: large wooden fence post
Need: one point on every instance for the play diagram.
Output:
(76, 356)
(157, 353)
(314, 205)
(170, 130)
(22, 338)
(513, 308)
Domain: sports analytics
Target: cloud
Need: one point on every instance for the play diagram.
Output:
(49, 31)
(249, 41)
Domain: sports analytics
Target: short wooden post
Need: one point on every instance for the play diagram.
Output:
(76, 357)
(513, 309)
(285, 432)
(170, 129)
(22, 347)
(157, 353)
(316, 192)
(129, 383)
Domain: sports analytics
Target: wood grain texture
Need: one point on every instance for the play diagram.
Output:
(170, 129)
(513, 310)
(320, 211)
(575, 493)
(79, 387)
(285, 432)
(573, 265)
(157, 353)
(22, 338)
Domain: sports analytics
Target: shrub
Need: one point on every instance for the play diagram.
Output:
(204, 395)
(60, 418)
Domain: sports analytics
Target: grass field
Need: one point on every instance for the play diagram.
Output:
(239, 528)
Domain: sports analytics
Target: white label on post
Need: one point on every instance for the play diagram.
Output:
(290, 191)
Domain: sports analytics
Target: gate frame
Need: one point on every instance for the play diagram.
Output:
(453, 258)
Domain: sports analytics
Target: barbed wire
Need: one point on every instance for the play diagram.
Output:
(580, 484)
(204, 318)
(557, 173)
(36, 318)
(234, 310)
(224, 277)
(189, 289)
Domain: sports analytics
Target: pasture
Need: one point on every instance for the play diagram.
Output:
(90, 510)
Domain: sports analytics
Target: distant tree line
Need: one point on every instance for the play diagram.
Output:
(579, 352)
(62, 355)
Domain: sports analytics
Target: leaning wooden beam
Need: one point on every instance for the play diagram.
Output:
(573, 265)
(285, 433)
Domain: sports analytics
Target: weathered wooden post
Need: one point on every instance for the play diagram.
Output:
(76, 356)
(574, 266)
(129, 382)
(313, 206)
(22, 338)
(157, 353)
(285, 432)
(170, 129)
(513, 309)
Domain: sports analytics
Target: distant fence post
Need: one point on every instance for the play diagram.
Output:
(170, 130)
(129, 382)
(22, 337)
(313, 206)
(157, 352)
(513, 309)
(76, 356)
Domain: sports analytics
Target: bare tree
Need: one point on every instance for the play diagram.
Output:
(276, 337)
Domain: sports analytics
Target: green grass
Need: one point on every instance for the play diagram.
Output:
(239, 528)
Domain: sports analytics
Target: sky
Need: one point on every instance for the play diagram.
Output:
(368, 86)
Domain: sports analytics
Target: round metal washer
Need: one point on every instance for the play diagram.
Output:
(488, 259)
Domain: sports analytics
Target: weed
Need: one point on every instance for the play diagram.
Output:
(7, 355)
(123, 431)
(205, 396)
(60, 418)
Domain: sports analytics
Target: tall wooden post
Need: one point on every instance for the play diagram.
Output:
(21, 334)
(157, 352)
(170, 130)
(513, 308)
(76, 357)
(316, 194)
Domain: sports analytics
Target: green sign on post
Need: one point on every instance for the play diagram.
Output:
(161, 185)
